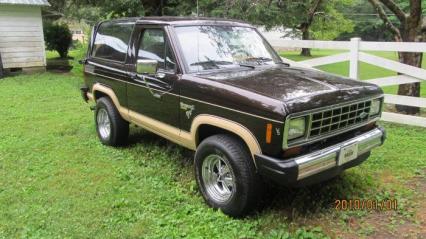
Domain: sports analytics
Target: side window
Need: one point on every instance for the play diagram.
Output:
(112, 40)
(154, 46)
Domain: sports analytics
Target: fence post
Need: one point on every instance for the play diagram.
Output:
(353, 59)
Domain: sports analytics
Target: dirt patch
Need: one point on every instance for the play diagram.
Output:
(59, 65)
(393, 224)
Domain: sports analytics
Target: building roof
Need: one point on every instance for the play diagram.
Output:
(26, 2)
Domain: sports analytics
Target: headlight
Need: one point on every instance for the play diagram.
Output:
(296, 128)
(375, 106)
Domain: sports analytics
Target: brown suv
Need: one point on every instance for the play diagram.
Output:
(217, 87)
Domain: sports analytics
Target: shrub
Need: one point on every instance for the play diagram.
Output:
(76, 44)
(58, 37)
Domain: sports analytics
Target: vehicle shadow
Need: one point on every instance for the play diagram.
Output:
(287, 202)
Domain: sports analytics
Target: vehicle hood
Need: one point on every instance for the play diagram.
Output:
(299, 88)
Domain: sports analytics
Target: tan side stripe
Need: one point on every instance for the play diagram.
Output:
(167, 131)
(181, 137)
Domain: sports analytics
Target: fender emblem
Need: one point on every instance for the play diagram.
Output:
(187, 108)
(278, 130)
(363, 115)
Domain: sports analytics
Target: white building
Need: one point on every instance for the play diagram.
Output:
(278, 34)
(77, 35)
(21, 34)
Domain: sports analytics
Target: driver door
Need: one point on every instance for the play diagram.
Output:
(155, 96)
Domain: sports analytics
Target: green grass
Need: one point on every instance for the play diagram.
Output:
(58, 181)
(367, 71)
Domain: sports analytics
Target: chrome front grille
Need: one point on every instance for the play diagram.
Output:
(338, 118)
(330, 121)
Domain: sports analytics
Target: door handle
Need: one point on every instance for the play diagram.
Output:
(154, 94)
(132, 75)
(142, 80)
(160, 75)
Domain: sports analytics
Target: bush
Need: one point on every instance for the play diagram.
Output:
(58, 38)
(76, 44)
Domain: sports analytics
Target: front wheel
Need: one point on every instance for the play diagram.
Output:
(226, 175)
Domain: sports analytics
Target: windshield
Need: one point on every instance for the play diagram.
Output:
(217, 47)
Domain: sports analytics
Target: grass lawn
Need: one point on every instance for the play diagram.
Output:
(57, 180)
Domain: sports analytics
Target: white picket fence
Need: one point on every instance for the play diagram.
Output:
(355, 54)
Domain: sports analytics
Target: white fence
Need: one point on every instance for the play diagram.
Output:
(355, 55)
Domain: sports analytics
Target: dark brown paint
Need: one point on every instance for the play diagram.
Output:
(250, 97)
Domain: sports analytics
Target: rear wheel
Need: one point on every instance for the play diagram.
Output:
(226, 175)
(112, 129)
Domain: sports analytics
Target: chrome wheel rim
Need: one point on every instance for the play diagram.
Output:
(104, 124)
(218, 178)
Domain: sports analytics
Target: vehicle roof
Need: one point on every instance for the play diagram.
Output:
(185, 21)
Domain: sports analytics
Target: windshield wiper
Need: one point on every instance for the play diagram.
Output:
(247, 65)
(212, 62)
(259, 60)
(218, 63)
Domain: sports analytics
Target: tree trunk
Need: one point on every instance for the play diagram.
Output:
(304, 27)
(412, 59)
(161, 9)
(305, 36)
(63, 54)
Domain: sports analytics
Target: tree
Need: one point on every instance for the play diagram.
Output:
(93, 11)
(306, 23)
(58, 37)
(409, 26)
(367, 25)
(319, 19)
(308, 18)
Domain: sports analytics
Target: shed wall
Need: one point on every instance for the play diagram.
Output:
(21, 36)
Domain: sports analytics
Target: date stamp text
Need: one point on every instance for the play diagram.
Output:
(365, 204)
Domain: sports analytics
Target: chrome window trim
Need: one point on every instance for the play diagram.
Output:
(309, 114)
(106, 67)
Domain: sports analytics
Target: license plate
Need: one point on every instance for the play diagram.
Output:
(348, 153)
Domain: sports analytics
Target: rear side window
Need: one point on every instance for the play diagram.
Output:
(112, 40)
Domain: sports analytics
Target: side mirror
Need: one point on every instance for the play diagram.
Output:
(146, 66)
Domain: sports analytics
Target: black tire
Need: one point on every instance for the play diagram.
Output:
(119, 128)
(248, 184)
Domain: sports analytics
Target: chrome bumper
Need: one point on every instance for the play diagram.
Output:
(324, 159)
(322, 164)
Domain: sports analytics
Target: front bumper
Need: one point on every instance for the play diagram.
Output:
(319, 165)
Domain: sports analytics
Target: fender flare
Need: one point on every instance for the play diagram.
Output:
(226, 124)
(110, 93)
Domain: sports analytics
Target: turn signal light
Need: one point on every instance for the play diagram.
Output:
(268, 133)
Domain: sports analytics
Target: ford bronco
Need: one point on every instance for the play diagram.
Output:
(217, 87)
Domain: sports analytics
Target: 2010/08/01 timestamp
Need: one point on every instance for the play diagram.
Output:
(365, 204)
